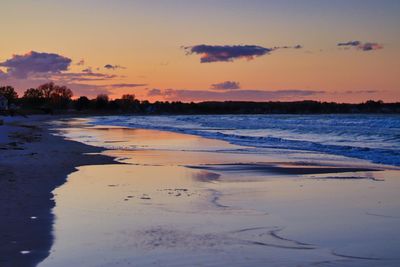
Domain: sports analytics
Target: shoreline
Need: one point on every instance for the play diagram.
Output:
(33, 163)
(165, 178)
(155, 208)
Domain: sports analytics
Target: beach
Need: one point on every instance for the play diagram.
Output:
(33, 162)
(78, 194)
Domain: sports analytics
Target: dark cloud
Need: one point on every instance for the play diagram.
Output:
(224, 53)
(368, 46)
(113, 67)
(127, 85)
(234, 95)
(288, 47)
(20, 66)
(228, 53)
(350, 43)
(227, 85)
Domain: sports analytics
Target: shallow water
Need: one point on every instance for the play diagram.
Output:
(154, 210)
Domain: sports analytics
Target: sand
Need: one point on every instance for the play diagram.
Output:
(32, 164)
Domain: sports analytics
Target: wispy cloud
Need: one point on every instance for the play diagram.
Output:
(234, 95)
(154, 92)
(127, 85)
(81, 76)
(367, 46)
(362, 92)
(89, 90)
(227, 85)
(80, 62)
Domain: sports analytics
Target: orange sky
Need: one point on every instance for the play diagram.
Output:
(144, 43)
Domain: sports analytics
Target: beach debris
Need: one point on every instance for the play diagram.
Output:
(166, 237)
(128, 198)
(177, 192)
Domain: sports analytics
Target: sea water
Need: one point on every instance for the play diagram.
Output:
(370, 137)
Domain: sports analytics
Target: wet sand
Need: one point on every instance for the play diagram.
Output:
(182, 200)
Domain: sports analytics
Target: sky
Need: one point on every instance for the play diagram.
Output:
(342, 51)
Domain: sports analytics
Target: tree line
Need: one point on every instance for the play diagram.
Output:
(52, 98)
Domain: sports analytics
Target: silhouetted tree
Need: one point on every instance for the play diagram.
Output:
(128, 103)
(47, 89)
(33, 98)
(101, 101)
(9, 93)
(82, 103)
(61, 96)
(33, 93)
(55, 96)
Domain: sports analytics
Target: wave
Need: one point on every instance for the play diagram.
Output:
(370, 137)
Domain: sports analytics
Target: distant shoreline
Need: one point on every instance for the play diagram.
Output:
(132, 106)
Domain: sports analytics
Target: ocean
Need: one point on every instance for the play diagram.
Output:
(370, 137)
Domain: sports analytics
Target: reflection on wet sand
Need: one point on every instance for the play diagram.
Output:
(272, 209)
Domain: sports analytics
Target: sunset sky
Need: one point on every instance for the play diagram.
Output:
(344, 51)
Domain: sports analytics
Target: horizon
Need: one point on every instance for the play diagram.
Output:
(188, 51)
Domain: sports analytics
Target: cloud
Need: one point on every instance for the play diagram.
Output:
(20, 66)
(127, 85)
(350, 43)
(82, 89)
(368, 46)
(362, 92)
(288, 47)
(226, 53)
(80, 62)
(3, 75)
(154, 92)
(34, 68)
(227, 85)
(88, 69)
(234, 95)
(80, 76)
(113, 67)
